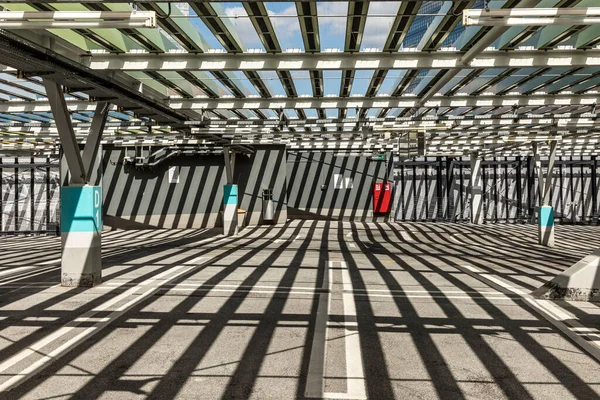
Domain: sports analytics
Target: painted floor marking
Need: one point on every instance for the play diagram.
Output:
(355, 376)
(554, 314)
(85, 334)
(316, 366)
(354, 367)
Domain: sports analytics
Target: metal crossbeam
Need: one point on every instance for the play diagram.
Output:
(336, 61)
(301, 103)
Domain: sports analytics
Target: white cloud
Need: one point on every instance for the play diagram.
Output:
(286, 27)
(377, 29)
(333, 25)
(243, 27)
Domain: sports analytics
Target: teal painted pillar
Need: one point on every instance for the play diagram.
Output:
(230, 210)
(546, 226)
(81, 226)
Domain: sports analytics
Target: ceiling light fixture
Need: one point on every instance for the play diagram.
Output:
(76, 19)
(532, 16)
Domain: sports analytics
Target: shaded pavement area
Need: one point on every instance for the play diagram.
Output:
(313, 309)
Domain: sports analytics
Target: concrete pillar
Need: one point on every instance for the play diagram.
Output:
(546, 226)
(476, 190)
(81, 224)
(545, 211)
(230, 208)
(81, 203)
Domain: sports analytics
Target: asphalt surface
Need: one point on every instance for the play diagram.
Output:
(309, 310)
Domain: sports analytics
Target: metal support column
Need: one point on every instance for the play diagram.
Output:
(230, 196)
(594, 191)
(476, 190)
(545, 211)
(32, 196)
(530, 190)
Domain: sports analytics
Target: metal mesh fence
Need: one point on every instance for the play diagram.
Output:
(30, 190)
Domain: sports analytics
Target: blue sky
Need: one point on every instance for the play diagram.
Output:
(332, 31)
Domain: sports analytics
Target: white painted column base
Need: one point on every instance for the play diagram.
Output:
(546, 235)
(81, 263)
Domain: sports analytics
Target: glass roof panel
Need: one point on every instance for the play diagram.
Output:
(238, 17)
(420, 30)
(203, 30)
(460, 76)
(239, 79)
(331, 82)
(272, 81)
(554, 72)
(380, 17)
(391, 81)
(332, 24)
(181, 83)
(13, 117)
(35, 117)
(18, 93)
(81, 117)
(373, 112)
(362, 78)
(459, 29)
(585, 86)
(512, 79)
(331, 113)
(270, 114)
(584, 73)
(148, 81)
(302, 83)
(211, 82)
(311, 113)
(284, 19)
(423, 77)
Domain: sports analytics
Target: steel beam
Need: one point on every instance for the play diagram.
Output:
(229, 158)
(65, 132)
(468, 58)
(275, 103)
(455, 61)
(546, 200)
(90, 151)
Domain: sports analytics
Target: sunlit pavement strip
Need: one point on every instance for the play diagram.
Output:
(355, 376)
(28, 275)
(10, 271)
(38, 347)
(558, 317)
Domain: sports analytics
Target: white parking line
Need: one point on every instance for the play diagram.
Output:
(316, 366)
(355, 374)
(355, 377)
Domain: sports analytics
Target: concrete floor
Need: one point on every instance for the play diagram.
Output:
(313, 309)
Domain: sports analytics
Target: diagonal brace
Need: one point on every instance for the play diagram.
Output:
(68, 142)
(90, 151)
